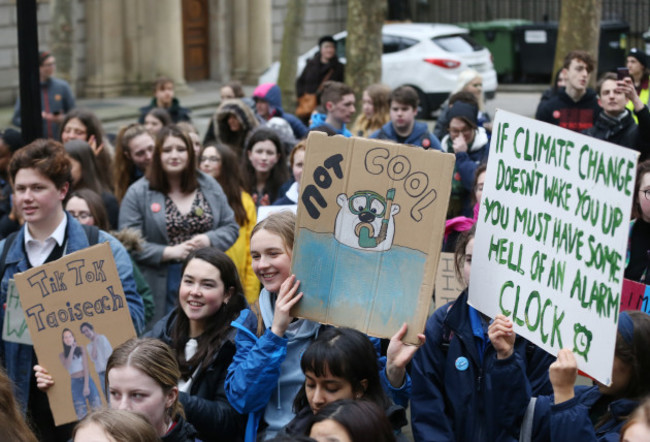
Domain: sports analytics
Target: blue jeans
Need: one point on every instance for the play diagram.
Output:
(173, 283)
(79, 400)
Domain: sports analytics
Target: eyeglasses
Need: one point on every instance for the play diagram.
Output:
(213, 159)
(456, 132)
(80, 216)
(646, 193)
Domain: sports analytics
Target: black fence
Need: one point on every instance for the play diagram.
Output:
(634, 12)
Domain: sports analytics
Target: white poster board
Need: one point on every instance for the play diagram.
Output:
(551, 238)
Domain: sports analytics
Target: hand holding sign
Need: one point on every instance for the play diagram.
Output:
(287, 298)
(399, 355)
(502, 337)
(563, 373)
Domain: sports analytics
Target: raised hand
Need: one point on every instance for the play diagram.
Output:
(502, 336)
(287, 298)
(563, 373)
(399, 355)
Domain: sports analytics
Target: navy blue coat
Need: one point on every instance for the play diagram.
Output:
(451, 396)
(568, 421)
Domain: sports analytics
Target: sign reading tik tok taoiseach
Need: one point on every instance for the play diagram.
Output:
(551, 238)
(370, 223)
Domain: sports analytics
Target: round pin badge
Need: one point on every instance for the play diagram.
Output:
(155, 207)
(556, 114)
(462, 363)
(426, 143)
(198, 211)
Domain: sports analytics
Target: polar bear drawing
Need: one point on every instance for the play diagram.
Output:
(366, 220)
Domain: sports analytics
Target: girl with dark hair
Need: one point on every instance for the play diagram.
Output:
(231, 124)
(83, 124)
(264, 166)
(351, 421)
(296, 161)
(88, 208)
(134, 148)
(221, 162)
(638, 243)
(177, 209)
(210, 297)
(579, 413)
(75, 360)
(340, 364)
(142, 377)
(450, 399)
(156, 119)
(85, 176)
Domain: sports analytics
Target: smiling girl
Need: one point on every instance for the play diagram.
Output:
(264, 166)
(210, 297)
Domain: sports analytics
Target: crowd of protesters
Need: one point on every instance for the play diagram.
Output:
(209, 288)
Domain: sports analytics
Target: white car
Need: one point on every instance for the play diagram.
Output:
(427, 56)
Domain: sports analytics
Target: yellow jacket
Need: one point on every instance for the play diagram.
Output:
(644, 96)
(240, 251)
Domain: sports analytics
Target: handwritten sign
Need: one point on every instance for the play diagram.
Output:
(370, 223)
(635, 296)
(15, 327)
(62, 301)
(448, 287)
(552, 236)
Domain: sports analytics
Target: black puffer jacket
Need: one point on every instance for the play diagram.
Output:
(206, 406)
(624, 132)
(182, 431)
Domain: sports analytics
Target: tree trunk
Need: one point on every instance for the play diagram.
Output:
(62, 39)
(363, 47)
(295, 15)
(579, 28)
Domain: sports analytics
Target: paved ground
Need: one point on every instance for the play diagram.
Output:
(204, 99)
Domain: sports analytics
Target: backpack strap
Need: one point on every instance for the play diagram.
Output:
(92, 233)
(9, 240)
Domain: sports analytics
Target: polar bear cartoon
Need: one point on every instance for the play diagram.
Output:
(366, 220)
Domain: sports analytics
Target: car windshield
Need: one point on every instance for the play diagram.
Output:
(458, 44)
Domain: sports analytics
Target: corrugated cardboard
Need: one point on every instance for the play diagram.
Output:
(80, 287)
(349, 274)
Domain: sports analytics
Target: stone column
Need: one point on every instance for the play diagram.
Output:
(104, 48)
(259, 28)
(241, 44)
(62, 37)
(167, 16)
(221, 41)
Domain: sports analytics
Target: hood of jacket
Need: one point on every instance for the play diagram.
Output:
(270, 92)
(480, 140)
(242, 112)
(130, 238)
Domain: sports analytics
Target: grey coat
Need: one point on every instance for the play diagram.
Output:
(137, 212)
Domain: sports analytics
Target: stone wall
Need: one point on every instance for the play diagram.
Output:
(9, 46)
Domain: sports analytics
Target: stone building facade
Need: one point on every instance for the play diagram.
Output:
(109, 48)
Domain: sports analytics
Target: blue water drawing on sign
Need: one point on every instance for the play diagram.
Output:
(347, 279)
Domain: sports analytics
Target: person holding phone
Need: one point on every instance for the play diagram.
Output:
(637, 66)
(616, 123)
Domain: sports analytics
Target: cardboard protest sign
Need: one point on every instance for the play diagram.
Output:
(15, 327)
(635, 296)
(370, 223)
(80, 291)
(551, 238)
(448, 287)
